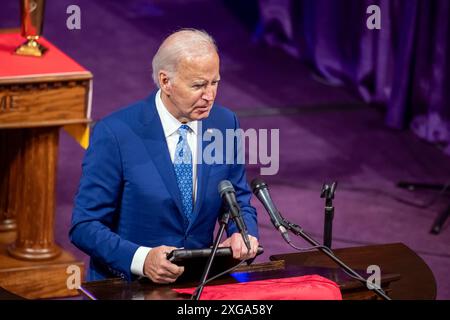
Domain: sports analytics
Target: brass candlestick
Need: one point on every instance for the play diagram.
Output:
(32, 21)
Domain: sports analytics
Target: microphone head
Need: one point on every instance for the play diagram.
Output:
(225, 186)
(258, 184)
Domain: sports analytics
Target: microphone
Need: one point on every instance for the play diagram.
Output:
(228, 195)
(261, 191)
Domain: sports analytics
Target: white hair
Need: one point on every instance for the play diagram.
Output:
(184, 43)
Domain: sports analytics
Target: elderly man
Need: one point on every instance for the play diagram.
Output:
(143, 191)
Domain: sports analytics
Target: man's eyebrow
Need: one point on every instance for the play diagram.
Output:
(199, 81)
(203, 81)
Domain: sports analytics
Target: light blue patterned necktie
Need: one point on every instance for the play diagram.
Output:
(183, 171)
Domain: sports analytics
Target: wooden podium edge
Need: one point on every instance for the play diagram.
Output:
(38, 279)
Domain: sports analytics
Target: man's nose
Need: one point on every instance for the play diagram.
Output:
(208, 94)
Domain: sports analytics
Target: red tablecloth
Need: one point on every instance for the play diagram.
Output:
(311, 287)
(53, 62)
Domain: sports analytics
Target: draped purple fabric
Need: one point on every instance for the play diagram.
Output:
(404, 66)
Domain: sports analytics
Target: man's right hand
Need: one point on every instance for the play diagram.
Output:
(158, 268)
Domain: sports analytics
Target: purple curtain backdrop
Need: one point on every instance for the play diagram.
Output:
(404, 66)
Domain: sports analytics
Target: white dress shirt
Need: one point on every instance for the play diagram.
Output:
(170, 126)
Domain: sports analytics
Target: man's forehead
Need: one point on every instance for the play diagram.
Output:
(199, 59)
(199, 68)
(201, 77)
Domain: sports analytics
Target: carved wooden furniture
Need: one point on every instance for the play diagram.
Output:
(38, 96)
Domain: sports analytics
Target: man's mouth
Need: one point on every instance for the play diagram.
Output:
(202, 108)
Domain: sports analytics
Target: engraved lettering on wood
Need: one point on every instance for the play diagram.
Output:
(3, 104)
(11, 102)
(7, 103)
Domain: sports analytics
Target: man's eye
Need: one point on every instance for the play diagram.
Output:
(197, 86)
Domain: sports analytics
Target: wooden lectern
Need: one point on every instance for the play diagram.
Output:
(38, 96)
(404, 275)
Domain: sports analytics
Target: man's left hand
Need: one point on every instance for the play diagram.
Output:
(239, 248)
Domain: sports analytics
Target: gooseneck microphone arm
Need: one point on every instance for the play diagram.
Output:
(259, 185)
(299, 232)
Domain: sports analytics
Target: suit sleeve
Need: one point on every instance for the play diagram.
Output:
(97, 205)
(243, 194)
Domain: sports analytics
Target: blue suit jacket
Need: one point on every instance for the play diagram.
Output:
(128, 195)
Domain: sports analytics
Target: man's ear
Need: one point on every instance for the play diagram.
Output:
(164, 82)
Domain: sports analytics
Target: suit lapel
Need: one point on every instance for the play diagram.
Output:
(202, 168)
(155, 142)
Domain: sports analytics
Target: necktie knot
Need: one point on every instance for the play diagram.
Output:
(183, 130)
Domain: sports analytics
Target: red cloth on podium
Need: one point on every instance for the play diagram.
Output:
(53, 62)
(311, 287)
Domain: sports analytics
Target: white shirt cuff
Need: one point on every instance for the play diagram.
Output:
(137, 264)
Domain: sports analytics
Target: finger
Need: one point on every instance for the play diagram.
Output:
(159, 276)
(164, 268)
(248, 253)
(166, 275)
(173, 269)
(245, 252)
(254, 243)
(164, 253)
(161, 254)
(170, 269)
(226, 243)
(163, 279)
(166, 250)
(236, 247)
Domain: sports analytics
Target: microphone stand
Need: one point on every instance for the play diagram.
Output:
(223, 223)
(328, 194)
(299, 232)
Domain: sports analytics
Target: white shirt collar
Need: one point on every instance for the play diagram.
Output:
(169, 123)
